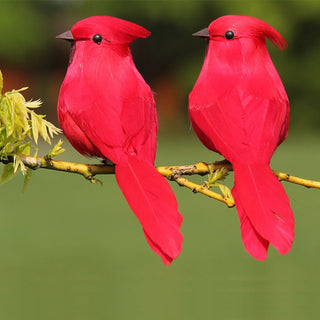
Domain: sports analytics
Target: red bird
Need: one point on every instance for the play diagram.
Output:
(239, 108)
(107, 110)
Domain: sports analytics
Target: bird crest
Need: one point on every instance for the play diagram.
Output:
(111, 29)
(244, 26)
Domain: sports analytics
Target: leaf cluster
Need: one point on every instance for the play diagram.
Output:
(20, 129)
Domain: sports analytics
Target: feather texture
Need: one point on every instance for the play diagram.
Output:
(239, 108)
(107, 110)
(145, 190)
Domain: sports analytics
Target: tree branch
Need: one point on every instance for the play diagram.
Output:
(172, 173)
(300, 181)
(20, 128)
(86, 170)
(175, 173)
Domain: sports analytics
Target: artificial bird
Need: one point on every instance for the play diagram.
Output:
(239, 108)
(107, 110)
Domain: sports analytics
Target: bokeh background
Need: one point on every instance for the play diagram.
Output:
(71, 250)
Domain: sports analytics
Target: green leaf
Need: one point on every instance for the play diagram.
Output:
(25, 149)
(20, 110)
(26, 180)
(20, 129)
(18, 163)
(214, 176)
(32, 104)
(7, 173)
(6, 112)
(56, 150)
(225, 191)
(44, 132)
(42, 127)
(35, 126)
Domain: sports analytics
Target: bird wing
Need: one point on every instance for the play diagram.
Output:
(238, 126)
(113, 119)
(140, 126)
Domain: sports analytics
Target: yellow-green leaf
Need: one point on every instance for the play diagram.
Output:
(17, 163)
(25, 149)
(20, 129)
(225, 191)
(56, 150)
(35, 126)
(7, 172)
(6, 115)
(44, 132)
(26, 179)
(32, 104)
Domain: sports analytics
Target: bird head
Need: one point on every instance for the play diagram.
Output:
(232, 27)
(100, 29)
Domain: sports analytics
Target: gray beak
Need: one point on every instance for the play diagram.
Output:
(204, 33)
(66, 36)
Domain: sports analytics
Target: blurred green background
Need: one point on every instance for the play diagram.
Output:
(71, 250)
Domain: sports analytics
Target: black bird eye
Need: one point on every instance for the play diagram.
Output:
(97, 38)
(229, 35)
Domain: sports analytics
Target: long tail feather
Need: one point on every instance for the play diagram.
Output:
(252, 241)
(150, 197)
(264, 210)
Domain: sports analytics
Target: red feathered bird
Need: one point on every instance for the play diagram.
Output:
(107, 110)
(239, 108)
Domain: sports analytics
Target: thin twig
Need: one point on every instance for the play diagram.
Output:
(174, 173)
(300, 181)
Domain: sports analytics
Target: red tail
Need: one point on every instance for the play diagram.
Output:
(150, 197)
(264, 210)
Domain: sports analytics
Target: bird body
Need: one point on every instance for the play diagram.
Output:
(107, 110)
(239, 108)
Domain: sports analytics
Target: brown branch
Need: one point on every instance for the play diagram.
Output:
(172, 173)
